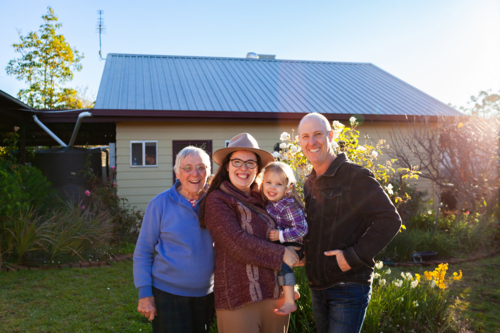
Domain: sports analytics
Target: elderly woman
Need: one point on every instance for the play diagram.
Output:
(175, 285)
(246, 263)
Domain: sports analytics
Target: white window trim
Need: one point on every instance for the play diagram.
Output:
(143, 153)
(226, 143)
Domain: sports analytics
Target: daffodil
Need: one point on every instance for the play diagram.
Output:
(388, 271)
(414, 284)
(284, 136)
(379, 265)
(389, 190)
(382, 282)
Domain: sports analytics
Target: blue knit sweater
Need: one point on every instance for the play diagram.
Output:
(184, 260)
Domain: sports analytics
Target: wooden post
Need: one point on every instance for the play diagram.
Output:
(22, 145)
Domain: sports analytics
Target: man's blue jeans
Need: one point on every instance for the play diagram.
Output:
(340, 309)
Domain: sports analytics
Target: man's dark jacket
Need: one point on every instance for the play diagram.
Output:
(346, 210)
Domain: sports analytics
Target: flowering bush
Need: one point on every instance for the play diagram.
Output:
(127, 219)
(410, 303)
(346, 139)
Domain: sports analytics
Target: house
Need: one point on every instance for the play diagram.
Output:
(160, 104)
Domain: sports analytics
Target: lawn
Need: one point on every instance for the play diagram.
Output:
(71, 300)
(105, 300)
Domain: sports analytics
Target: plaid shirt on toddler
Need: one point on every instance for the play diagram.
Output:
(290, 219)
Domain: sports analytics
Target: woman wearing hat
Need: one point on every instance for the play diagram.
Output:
(246, 263)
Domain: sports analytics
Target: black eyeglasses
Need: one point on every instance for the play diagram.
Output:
(237, 163)
(189, 168)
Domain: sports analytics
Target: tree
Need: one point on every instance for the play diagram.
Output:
(458, 153)
(486, 104)
(47, 61)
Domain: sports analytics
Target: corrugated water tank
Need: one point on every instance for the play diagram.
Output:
(62, 167)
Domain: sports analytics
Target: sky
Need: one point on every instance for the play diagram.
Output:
(450, 49)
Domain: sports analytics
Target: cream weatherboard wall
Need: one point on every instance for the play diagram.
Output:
(140, 185)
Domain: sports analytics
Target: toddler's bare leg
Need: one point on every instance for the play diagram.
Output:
(289, 305)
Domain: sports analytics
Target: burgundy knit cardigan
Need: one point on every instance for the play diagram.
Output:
(246, 263)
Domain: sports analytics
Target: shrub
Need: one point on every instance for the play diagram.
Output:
(12, 197)
(347, 140)
(75, 230)
(412, 303)
(414, 240)
(36, 186)
(126, 220)
(26, 234)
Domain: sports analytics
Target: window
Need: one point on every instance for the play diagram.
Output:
(177, 146)
(143, 154)
(227, 143)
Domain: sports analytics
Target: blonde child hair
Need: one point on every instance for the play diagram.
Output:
(284, 171)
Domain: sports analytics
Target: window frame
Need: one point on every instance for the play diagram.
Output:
(143, 153)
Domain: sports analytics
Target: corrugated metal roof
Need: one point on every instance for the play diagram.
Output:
(153, 82)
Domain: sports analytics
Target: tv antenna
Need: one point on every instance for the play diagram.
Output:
(101, 29)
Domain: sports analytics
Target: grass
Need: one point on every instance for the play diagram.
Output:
(71, 300)
(78, 300)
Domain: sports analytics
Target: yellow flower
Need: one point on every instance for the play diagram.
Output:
(428, 275)
(457, 277)
(417, 276)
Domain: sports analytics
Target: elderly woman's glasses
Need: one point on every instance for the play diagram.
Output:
(237, 163)
(190, 168)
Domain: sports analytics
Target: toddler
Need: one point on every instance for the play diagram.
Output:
(285, 206)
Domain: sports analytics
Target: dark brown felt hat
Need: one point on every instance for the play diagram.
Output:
(243, 141)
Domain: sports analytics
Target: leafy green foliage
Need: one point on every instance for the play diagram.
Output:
(47, 61)
(462, 238)
(75, 230)
(408, 302)
(20, 185)
(347, 140)
(28, 234)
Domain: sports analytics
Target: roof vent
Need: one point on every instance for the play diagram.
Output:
(267, 56)
(252, 55)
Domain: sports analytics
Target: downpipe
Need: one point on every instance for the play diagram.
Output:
(49, 132)
(77, 126)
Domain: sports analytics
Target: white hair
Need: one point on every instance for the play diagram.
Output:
(192, 151)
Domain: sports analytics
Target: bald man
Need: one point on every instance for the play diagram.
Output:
(351, 220)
